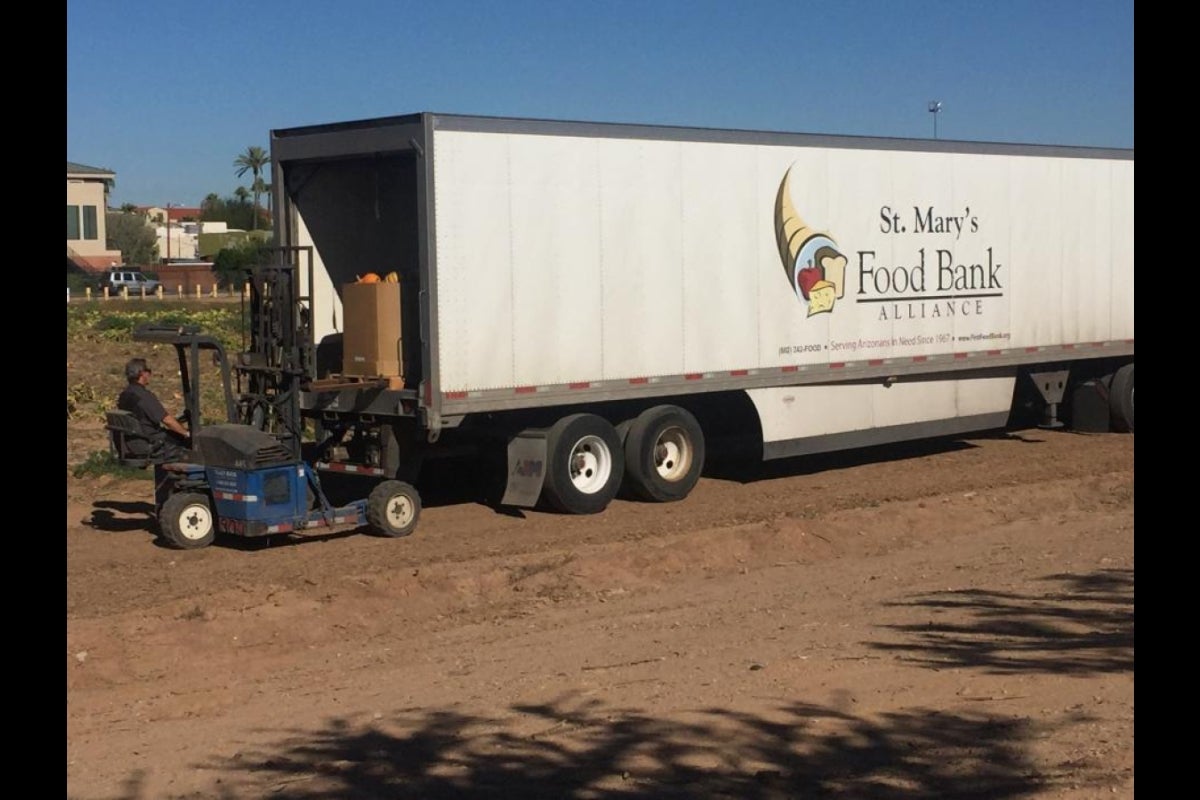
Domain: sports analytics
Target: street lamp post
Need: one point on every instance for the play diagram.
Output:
(935, 107)
(168, 221)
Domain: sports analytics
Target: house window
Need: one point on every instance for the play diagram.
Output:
(89, 222)
(72, 222)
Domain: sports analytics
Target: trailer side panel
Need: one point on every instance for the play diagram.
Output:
(586, 261)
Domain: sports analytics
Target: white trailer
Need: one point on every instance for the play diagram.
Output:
(588, 304)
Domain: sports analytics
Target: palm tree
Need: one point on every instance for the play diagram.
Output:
(262, 187)
(253, 161)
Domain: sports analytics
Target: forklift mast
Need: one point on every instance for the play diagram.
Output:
(278, 355)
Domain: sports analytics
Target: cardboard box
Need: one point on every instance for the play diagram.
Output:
(371, 329)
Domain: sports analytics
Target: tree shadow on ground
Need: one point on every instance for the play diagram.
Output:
(1081, 625)
(572, 748)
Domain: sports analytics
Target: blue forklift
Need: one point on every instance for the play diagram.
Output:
(247, 476)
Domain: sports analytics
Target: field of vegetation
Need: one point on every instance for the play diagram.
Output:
(100, 341)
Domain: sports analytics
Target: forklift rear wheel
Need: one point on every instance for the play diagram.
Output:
(393, 508)
(186, 520)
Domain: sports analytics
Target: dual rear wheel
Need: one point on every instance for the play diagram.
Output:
(658, 455)
(584, 464)
(1120, 399)
(664, 454)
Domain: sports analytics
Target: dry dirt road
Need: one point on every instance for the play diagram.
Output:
(952, 620)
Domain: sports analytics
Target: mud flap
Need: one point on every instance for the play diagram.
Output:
(526, 468)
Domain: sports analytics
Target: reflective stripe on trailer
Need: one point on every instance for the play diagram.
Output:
(787, 369)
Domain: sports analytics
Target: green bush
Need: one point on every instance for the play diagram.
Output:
(79, 283)
(233, 262)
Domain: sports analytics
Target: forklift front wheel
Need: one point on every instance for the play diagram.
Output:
(393, 508)
(186, 521)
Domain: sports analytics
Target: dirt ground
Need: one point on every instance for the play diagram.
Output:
(951, 619)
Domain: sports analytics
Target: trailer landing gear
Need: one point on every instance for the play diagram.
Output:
(1052, 385)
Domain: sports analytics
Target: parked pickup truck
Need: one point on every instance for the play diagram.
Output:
(116, 279)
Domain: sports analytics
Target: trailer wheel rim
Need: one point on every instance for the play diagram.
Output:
(400, 511)
(591, 464)
(673, 454)
(195, 522)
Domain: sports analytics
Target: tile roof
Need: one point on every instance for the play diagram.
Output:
(84, 169)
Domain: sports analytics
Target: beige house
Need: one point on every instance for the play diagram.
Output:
(86, 237)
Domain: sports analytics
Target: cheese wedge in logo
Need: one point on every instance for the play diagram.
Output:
(821, 297)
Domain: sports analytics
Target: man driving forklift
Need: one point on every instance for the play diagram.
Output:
(166, 437)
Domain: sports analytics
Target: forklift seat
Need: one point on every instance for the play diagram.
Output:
(128, 443)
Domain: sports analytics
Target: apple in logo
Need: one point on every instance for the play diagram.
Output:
(808, 276)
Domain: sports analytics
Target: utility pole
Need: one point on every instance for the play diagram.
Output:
(168, 221)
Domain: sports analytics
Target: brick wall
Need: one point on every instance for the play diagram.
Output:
(189, 276)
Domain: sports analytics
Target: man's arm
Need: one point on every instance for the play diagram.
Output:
(174, 425)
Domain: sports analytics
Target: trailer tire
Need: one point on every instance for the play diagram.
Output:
(186, 521)
(585, 464)
(664, 454)
(393, 508)
(1120, 399)
(622, 429)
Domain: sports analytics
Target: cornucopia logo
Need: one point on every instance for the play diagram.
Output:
(814, 266)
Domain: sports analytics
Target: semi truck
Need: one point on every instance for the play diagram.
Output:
(589, 308)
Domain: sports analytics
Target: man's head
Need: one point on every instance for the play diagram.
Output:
(137, 371)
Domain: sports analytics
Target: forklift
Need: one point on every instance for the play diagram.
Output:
(247, 476)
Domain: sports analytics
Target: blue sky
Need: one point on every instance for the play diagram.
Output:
(168, 95)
